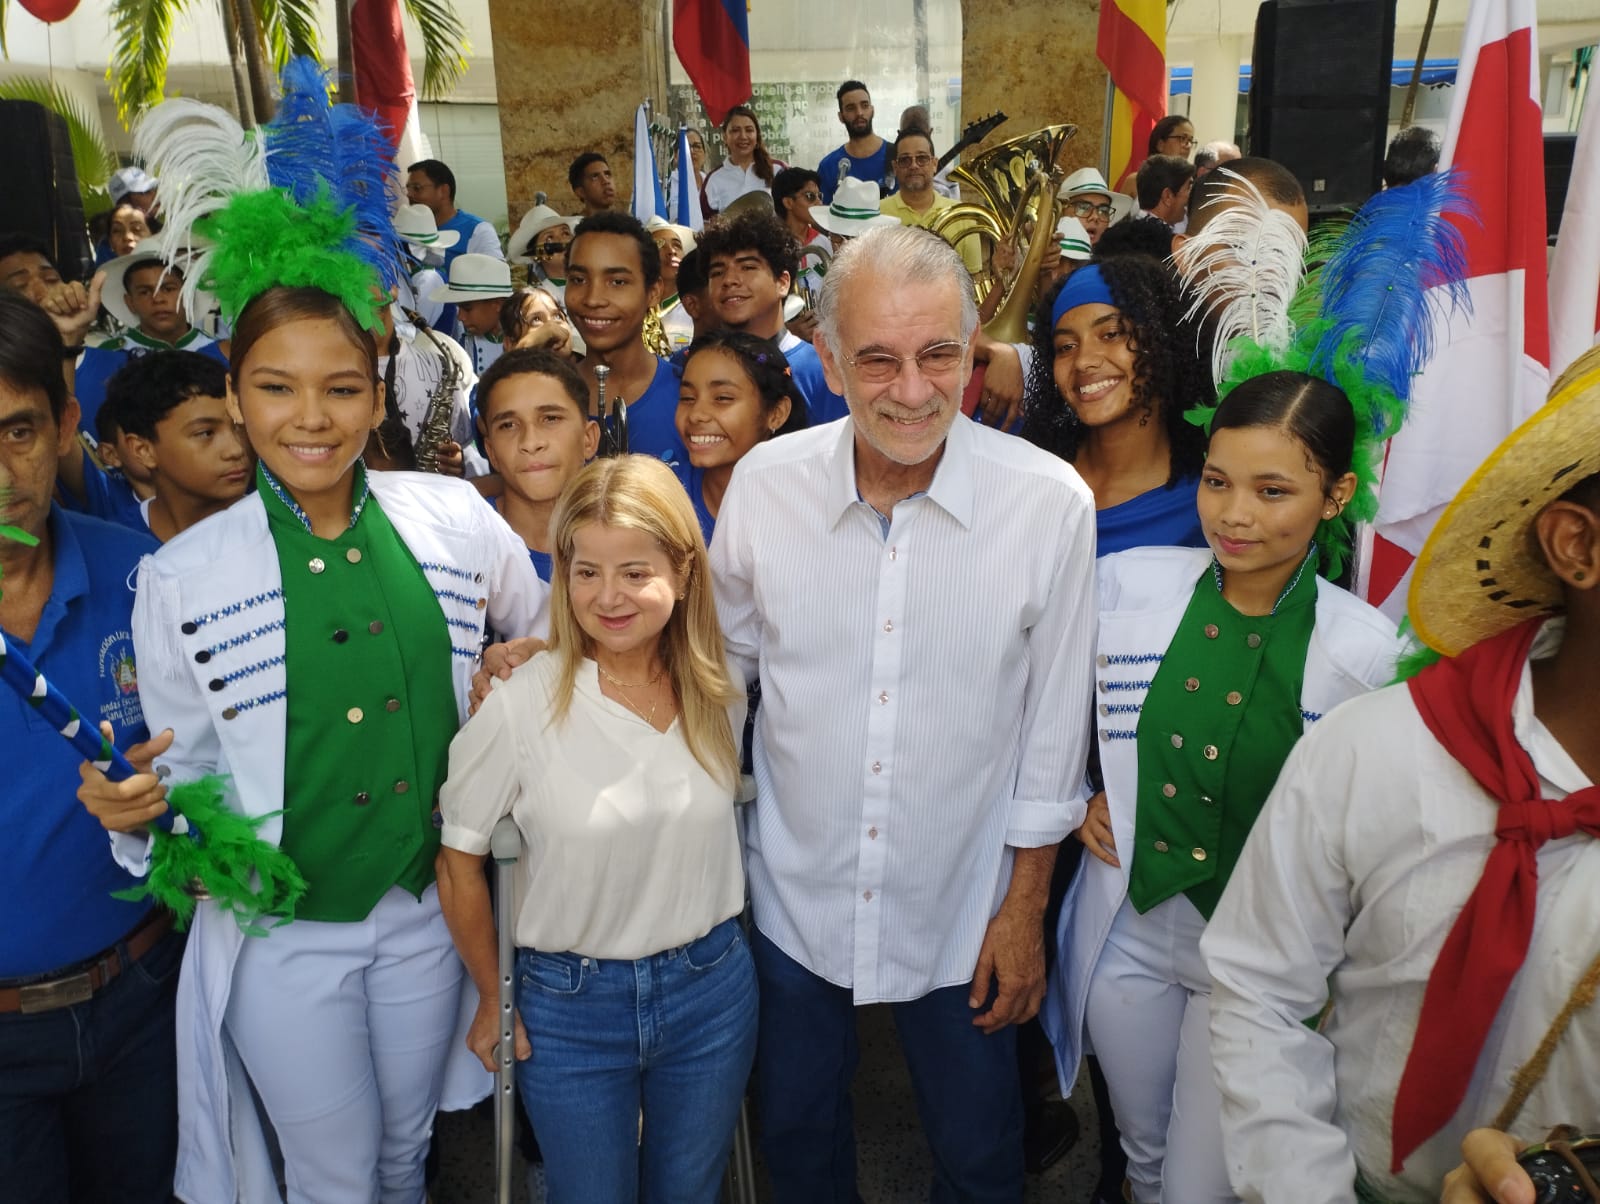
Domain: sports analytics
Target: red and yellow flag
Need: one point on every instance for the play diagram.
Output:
(1133, 45)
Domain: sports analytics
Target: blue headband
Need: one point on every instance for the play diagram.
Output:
(1086, 286)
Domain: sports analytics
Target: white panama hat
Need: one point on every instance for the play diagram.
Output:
(475, 278)
(855, 209)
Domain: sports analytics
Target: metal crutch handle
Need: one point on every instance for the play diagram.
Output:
(505, 846)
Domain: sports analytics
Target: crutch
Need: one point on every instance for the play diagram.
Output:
(739, 1180)
(505, 844)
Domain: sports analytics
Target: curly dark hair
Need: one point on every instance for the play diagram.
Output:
(1135, 236)
(1168, 374)
(762, 233)
(766, 367)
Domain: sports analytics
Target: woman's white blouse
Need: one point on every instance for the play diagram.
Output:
(629, 847)
(730, 182)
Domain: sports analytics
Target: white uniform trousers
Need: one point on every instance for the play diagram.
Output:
(345, 1029)
(1148, 1019)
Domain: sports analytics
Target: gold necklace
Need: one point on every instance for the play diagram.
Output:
(621, 685)
(628, 685)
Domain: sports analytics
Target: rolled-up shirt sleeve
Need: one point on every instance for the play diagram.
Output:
(1050, 799)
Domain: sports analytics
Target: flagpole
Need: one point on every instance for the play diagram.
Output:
(1105, 131)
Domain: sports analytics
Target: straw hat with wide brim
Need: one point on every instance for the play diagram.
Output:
(1481, 571)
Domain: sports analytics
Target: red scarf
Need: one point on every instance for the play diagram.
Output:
(1466, 703)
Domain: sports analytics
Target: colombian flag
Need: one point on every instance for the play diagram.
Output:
(1133, 46)
(712, 38)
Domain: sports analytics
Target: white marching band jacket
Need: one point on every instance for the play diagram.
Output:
(210, 607)
(1143, 594)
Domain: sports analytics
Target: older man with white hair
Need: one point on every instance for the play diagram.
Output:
(915, 593)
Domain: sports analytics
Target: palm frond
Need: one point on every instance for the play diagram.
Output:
(142, 35)
(290, 28)
(92, 159)
(444, 45)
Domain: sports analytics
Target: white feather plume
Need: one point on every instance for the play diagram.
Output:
(203, 158)
(1242, 269)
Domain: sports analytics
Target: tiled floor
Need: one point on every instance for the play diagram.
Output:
(894, 1163)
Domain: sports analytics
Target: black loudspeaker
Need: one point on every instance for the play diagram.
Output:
(44, 201)
(1319, 95)
(1559, 150)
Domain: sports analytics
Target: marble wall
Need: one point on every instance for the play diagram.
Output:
(1034, 59)
(569, 75)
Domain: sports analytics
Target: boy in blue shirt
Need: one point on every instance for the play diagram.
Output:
(533, 411)
(613, 281)
(88, 1097)
(752, 262)
(172, 409)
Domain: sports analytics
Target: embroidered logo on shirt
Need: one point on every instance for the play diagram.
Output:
(120, 705)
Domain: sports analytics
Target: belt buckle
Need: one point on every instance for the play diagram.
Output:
(48, 996)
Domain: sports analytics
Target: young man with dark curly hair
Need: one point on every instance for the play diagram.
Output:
(751, 263)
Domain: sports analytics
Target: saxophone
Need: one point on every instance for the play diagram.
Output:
(434, 432)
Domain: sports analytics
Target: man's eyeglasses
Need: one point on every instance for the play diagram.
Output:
(812, 195)
(551, 249)
(879, 368)
(913, 160)
(1090, 209)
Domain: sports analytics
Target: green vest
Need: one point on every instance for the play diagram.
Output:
(371, 707)
(1222, 713)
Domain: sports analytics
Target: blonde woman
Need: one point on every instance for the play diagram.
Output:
(614, 749)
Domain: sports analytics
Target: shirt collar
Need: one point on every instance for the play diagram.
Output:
(135, 335)
(951, 490)
(1550, 761)
(269, 487)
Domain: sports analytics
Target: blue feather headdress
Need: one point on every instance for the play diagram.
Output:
(305, 201)
(1364, 321)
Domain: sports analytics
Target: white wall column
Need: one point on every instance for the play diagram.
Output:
(1213, 104)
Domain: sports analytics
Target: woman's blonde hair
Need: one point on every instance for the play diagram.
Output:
(640, 493)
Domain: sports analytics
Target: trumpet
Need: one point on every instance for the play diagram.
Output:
(613, 424)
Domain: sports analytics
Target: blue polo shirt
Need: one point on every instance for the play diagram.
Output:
(55, 858)
(653, 425)
(874, 168)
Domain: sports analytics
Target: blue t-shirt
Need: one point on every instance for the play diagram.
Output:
(875, 167)
(1162, 517)
(652, 422)
(100, 364)
(708, 522)
(822, 403)
(542, 561)
(55, 858)
(108, 496)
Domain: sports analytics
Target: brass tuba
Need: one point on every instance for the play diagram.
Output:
(1016, 182)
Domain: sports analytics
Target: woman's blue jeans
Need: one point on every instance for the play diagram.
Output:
(669, 1038)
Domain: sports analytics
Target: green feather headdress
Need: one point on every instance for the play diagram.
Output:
(1363, 320)
(305, 201)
